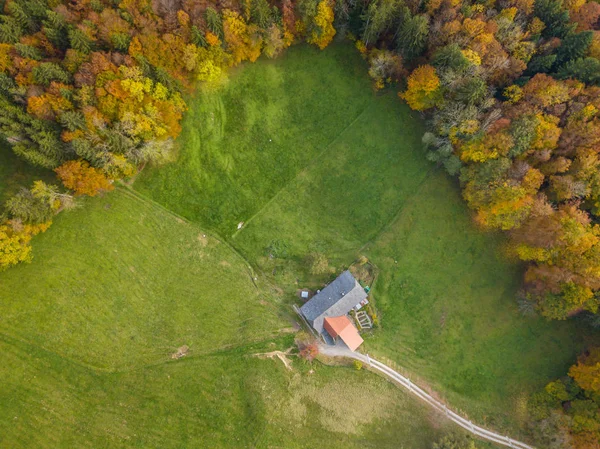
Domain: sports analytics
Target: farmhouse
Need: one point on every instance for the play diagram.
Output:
(327, 311)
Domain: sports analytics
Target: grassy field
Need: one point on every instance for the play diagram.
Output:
(312, 160)
(240, 145)
(225, 400)
(130, 287)
(361, 186)
(342, 200)
(446, 296)
(87, 331)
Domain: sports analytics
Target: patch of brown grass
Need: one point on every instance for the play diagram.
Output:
(344, 407)
(280, 355)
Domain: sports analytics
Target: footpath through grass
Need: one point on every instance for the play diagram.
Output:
(345, 176)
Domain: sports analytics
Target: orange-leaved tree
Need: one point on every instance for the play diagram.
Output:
(83, 179)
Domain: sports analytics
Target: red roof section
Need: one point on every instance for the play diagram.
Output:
(341, 326)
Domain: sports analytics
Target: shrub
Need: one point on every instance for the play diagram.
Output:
(371, 311)
(309, 351)
(455, 441)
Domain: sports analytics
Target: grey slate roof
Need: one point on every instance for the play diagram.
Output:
(337, 299)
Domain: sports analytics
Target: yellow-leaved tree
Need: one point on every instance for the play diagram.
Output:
(424, 89)
(244, 41)
(15, 241)
(323, 31)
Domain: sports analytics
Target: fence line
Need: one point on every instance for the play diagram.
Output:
(424, 396)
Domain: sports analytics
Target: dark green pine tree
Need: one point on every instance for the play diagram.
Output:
(198, 38)
(23, 18)
(540, 64)
(573, 47)
(261, 13)
(7, 85)
(162, 76)
(56, 30)
(523, 131)
(120, 41)
(84, 149)
(381, 17)
(146, 67)
(29, 208)
(412, 35)
(72, 120)
(35, 140)
(79, 41)
(27, 51)
(450, 57)
(47, 72)
(472, 91)
(29, 14)
(584, 69)
(214, 22)
(10, 30)
(37, 10)
(555, 16)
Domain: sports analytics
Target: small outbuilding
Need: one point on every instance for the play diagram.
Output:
(333, 304)
(341, 327)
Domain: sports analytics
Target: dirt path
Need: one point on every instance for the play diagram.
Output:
(336, 351)
(280, 355)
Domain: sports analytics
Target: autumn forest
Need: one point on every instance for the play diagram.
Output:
(509, 91)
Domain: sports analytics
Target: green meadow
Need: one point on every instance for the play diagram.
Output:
(350, 182)
(89, 331)
(310, 159)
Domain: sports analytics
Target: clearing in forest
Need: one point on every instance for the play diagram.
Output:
(314, 162)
